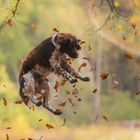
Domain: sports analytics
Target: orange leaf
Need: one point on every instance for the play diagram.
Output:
(49, 126)
(56, 86)
(30, 139)
(4, 101)
(128, 56)
(82, 65)
(105, 118)
(34, 26)
(18, 102)
(10, 22)
(104, 75)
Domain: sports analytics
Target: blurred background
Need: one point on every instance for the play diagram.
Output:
(106, 108)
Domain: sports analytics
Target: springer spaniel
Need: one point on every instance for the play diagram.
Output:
(49, 56)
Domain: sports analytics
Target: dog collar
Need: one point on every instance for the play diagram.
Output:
(54, 43)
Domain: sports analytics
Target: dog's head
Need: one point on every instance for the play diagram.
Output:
(68, 43)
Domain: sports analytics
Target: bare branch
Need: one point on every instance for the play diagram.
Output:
(11, 15)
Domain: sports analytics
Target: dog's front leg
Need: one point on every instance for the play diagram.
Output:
(65, 74)
(73, 72)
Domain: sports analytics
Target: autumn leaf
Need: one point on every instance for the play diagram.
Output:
(55, 30)
(10, 22)
(18, 102)
(7, 136)
(128, 56)
(34, 26)
(63, 82)
(49, 126)
(104, 75)
(89, 48)
(40, 120)
(79, 99)
(4, 101)
(63, 123)
(138, 92)
(8, 128)
(56, 86)
(123, 36)
(30, 139)
(95, 90)
(105, 118)
(82, 65)
(82, 42)
(62, 104)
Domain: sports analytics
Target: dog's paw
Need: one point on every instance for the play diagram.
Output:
(86, 79)
(74, 80)
(57, 112)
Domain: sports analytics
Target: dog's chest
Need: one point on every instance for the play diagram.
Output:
(56, 58)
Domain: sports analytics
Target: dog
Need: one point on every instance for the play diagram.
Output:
(50, 56)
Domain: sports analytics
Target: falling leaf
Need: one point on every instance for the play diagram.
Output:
(95, 90)
(63, 82)
(10, 22)
(8, 128)
(105, 118)
(79, 99)
(86, 58)
(55, 30)
(4, 101)
(82, 42)
(56, 86)
(138, 92)
(34, 26)
(7, 136)
(128, 56)
(82, 65)
(49, 126)
(30, 139)
(123, 36)
(89, 48)
(104, 75)
(74, 112)
(40, 120)
(62, 104)
(63, 123)
(18, 102)
(116, 4)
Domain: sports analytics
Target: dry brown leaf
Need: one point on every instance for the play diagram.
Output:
(63, 82)
(128, 56)
(138, 92)
(18, 102)
(89, 48)
(82, 65)
(56, 86)
(63, 123)
(30, 139)
(49, 126)
(7, 136)
(10, 22)
(40, 120)
(62, 104)
(4, 101)
(82, 42)
(104, 75)
(95, 90)
(105, 118)
(8, 127)
(55, 30)
(79, 99)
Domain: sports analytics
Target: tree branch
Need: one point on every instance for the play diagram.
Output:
(10, 16)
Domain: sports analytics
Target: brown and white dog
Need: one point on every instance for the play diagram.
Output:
(49, 56)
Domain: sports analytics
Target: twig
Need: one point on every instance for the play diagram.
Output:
(11, 15)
